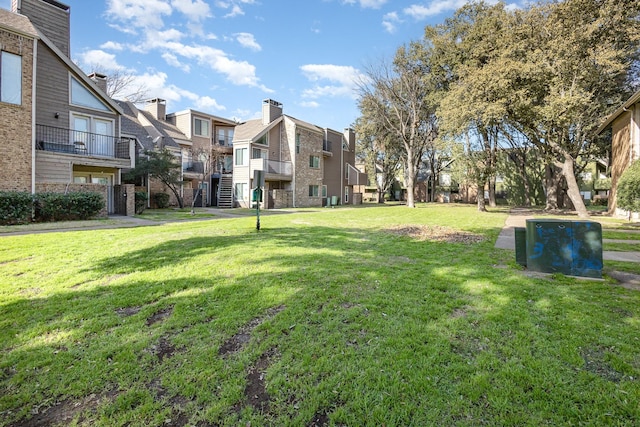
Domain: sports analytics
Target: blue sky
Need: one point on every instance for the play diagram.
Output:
(224, 57)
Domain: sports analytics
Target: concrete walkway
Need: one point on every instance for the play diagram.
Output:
(506, 239)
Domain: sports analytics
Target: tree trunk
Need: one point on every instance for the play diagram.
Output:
(410, 178)
(481, 205)
(492, 191)
(551, 186)
(573, 190)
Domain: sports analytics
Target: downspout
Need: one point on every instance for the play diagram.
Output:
(33, 117)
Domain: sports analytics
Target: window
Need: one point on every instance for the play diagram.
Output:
(257, 153)
(200, 127)
(241, 157)
(81, 96)
(314, 161)
(297, 143)
(11, 78)
(314, 190)
(347, 171)
(346, 194)
(324, 191)
(263, 140)
(93, 134)
(225, 136)
(239, 190)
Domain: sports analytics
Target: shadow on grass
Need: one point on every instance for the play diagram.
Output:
(367, 325)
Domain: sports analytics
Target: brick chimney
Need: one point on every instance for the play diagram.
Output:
(50, 17)
(271, 110)
(157, 107)
(100, 80)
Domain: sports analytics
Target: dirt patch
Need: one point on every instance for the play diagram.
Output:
(435, 233)
(243, 336)
(159, 316)
(320, 419)
(460, 312)
(594, 362)
(64, 412)
(256, 390)
(128, 311)
(163, 349)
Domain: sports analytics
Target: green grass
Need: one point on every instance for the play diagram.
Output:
(323, 314)
(175, 214)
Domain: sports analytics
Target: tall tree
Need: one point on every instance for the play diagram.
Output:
(579, 61)
(400, 97)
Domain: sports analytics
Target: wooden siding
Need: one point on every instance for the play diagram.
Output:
(52, 93)
(53, 168)
(620, 153)
(51, 20)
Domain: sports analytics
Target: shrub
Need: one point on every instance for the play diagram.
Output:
(71, 206)
(162, 200)
(600, 201)
(15, 207)
(629, 189)
(141, 201)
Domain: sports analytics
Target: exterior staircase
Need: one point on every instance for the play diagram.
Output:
(225, 192)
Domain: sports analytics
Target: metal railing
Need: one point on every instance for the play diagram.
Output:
(70, 141)
(272, 167)
(224, 141)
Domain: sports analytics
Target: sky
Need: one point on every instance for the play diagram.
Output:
(224, 57)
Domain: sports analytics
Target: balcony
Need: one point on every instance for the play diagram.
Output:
(223, 141)
(69, 141)
(326, 148)
(193, 167)
(274, 170)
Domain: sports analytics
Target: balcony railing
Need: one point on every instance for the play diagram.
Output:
(69, 141)
(223, 141)
(194, 167)
(326, 145)
(273, 167)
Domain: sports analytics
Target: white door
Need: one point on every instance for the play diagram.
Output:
(108, 181)
(103, 131)
(81, 127)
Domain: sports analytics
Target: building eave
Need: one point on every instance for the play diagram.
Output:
(622, 109)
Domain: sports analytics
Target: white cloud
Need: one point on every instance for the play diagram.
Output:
(139, 13)
(157, 87)
(248, 40)
(310, 104)
(240, 73)
(235, 11)
(195, 10)
(390, 20)
(208, 103)
(173, 60)
(112, 46)
(371, 4)
(344, 80)
(100, 58)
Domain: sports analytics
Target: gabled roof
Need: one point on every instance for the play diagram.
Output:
(22, 24)
(146, 128)
(251, 130)
(634, 98)
(200, 113)
(17, 24)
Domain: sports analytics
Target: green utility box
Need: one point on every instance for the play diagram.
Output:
(573, 248)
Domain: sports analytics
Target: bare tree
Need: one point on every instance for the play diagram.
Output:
(122, 83)
(400, 97)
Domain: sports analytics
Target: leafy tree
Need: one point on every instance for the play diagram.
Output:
(162, 165)
(400, 97)
(206, 158)
(628, 193)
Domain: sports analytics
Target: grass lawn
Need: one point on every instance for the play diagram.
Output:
(371, 316)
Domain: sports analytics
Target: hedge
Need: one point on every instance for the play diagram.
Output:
(162, 200)
(628, 197)
(141, 201)
(15, 207)
(70, 206)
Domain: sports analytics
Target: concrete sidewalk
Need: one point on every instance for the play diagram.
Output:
(506, 239)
